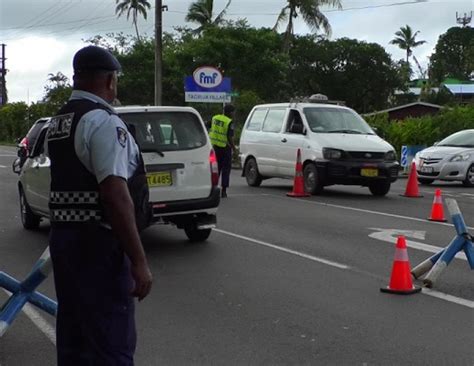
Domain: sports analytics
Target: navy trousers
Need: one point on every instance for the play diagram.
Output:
(224, 164)
(95, 320)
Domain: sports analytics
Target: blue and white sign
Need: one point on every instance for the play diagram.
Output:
(404, 157)
(207, 85)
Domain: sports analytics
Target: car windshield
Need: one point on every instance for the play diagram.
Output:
(336, 120)
(166, 131)
(461, 139)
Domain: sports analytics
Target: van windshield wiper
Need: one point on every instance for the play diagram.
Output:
(154, 150)
(346, 131)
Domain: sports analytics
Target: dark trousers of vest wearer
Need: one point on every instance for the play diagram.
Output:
(224, 164)
(95, 322)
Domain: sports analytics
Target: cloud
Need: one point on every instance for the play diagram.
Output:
(31, 59)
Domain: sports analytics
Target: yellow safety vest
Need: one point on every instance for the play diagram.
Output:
(219, 129)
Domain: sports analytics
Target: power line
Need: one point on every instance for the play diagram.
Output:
(63, 23)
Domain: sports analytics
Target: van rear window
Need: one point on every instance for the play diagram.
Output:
(256, 121)
(166, 131)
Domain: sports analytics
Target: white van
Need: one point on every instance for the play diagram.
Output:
(180, 162)
(337, 147)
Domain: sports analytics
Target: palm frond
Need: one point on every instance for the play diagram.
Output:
(282, 17)
(220, 17)
(314, 17)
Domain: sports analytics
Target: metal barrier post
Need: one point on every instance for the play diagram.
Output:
(462, 241)
(23, 292)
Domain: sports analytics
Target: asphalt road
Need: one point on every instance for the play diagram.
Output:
(282, 281)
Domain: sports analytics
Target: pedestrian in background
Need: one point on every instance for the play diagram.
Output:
(98, 193)
(221, 134)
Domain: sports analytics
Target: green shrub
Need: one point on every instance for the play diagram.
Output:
(424, 130)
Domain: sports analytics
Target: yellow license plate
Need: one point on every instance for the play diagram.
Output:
(369, 172)
(159, 179)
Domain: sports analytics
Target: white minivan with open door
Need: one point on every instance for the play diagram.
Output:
(337, 146)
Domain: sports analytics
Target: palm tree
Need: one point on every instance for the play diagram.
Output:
(405, 39)
(135, 7)
(58, 79)
(311, 14)
(201, 12)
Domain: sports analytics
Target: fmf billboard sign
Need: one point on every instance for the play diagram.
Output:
(207, 85)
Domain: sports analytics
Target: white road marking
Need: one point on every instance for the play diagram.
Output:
(439, 295)
(362, 210)
(446, 297)
(7, 155)
(390, 236)
(47, 329)
(286, 250)
(2, 166)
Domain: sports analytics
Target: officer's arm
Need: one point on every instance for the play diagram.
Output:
(119, 209)
(230, 135)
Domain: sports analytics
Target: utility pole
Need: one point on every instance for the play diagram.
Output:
(159, 51)
(3, 72)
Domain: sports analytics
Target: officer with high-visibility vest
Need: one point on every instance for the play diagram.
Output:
(221, 134)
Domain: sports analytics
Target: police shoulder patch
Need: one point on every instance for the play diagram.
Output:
(122, 136)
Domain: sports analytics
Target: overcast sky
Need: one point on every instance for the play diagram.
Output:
(41, 36)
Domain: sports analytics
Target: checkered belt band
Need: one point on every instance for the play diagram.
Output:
(67, 197)
(75, 215)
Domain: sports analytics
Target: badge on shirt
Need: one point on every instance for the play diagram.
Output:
(122, 136)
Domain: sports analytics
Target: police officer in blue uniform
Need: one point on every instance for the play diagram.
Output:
(98, 203)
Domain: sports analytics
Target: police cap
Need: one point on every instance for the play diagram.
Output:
(93, 58)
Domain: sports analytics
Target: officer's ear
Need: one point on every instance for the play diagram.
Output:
(111, 81)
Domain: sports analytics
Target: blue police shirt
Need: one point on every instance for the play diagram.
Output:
(102, 142)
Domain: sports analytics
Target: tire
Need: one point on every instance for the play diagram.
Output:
(425, 181)
(469, 181)
(195, 235)
(379, 189)
(29, 220)
(312, 183)
(253, 177)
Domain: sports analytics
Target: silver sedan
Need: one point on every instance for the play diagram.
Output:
(452, 159)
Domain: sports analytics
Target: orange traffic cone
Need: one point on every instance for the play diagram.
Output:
(412, 183)
(400, 280)
(437, 213)
(298, 185)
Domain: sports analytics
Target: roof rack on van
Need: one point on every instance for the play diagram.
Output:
(315, 98)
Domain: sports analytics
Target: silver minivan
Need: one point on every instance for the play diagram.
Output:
(337, 147)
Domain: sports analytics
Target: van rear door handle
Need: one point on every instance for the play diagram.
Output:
(284, 140)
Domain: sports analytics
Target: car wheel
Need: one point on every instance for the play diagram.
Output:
(425, 181)
(469, 181)
(195, 235)
(29, 220)
(379, 188)
(253, 177)
(312, 182)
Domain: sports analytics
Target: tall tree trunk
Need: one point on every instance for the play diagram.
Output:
(135, 22)
(288, 32)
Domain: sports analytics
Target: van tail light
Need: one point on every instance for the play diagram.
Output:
(23, 143)
(214, 168)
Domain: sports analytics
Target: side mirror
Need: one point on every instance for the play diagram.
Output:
(16, 166)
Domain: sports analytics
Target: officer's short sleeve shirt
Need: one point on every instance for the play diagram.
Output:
(105, 146)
